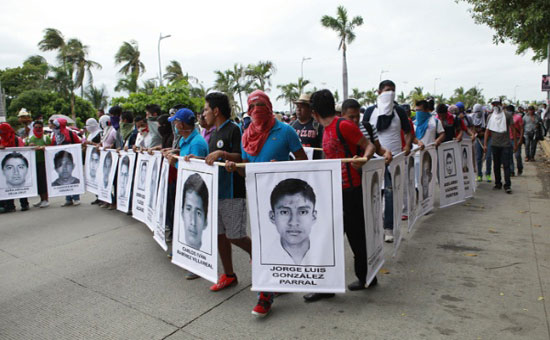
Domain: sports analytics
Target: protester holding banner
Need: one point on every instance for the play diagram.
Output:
(389, 120)
(127, 130)
(8, 139)
(498, 128)
(39, 139)
(309, 131)
(518, 127)
(428, 128)
(191, 143)
(453, 127)
(93, 132)
(531, 122)
(225, 144)
(479, 117)
(343, 139)
(265, 140)
(62, 136)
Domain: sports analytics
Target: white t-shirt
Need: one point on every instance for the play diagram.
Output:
(390, 138)
(431, 134)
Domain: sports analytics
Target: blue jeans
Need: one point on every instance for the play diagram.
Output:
(517, 155)
(388, 200)
(71, 198)
(479, 158)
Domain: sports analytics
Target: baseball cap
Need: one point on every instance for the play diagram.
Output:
(183, 115)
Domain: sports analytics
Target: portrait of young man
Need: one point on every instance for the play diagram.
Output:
(293, 214)
(124, 176)
(94, 163)
(15, 168)
(194, 211)
(142, 175)
(375, 196)
(450, 168)
(153, 184)
(64, 166)
(107, 164)
(413, 197)
(465, 168)
(427, 175)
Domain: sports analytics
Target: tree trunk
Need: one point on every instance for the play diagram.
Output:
(345, 72)
(73, 113)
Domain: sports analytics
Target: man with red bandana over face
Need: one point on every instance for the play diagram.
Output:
(266, 140)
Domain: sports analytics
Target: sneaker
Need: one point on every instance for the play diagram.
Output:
(489, 178)
(497, 187)
(67, 204)
(191, 276)
(44, 204)
(520, 172)
(264, 305)
(95, 202)
(25, 208)
(312, 297)
(356, 285)
(479, 179)
(508, 190)
(388, 235)
(6, 210)
(404, 217)
(76, 202)
(37, 204)
(224, 282)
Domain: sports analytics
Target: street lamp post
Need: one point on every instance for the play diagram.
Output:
(435, 88)
(382, 72)
(515, 91)
(302, 68)
(160, 69)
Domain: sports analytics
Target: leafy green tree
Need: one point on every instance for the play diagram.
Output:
(260, 75)
(357, 94)
(97, 96)
(301, 84)
(128, 56)
(149, 85)
(344, 28)
(402, 98)
(416, 94)
(371, 96)
(224, 83)
(239, 82)
(524, 23)
(174, 73)
(32, 75)
(47, 103)
(165, 96)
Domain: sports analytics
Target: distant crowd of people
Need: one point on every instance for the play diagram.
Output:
(346, 130)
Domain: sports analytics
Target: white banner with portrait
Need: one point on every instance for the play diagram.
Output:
(195, 239)
(153, 175)
(296, 224)
(468, 173)
(411, 191)
(451, 180)
(18, 175)
(160, 210)
(64, 173)
(108, 162)
(139, 195)
(398, 177)
(124, 180)
(427, 167)
(91, 166)
(372, 183)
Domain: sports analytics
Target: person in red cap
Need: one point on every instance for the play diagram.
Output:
(266, 140)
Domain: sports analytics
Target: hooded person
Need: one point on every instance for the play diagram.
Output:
(263, 120)
(93, 131)
(62, 135)
(109, 132)
(498, 126)
(479, 117)
(9, 139)
(165, 130)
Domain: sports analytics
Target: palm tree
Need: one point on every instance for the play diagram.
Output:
(174, 73)
(97, 96)
(358, 95)
(239, 82)
(440, 99)
(260, 74)
(148, 86)
(370, 96)
(416, 94)
(344, 28)
(223, 83)
(301, 84)
(129, 56)
(402, 98)
(71, 56)
(289, 93)
(474, 96)
(459, 95)
(128, 84)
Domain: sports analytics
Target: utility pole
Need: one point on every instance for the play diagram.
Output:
(160, 69)
(302, 68)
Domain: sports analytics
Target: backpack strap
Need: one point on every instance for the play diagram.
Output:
(346, 149)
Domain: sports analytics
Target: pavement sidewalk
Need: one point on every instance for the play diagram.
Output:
(477, 270)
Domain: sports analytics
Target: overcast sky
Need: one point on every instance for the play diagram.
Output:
(415, 41)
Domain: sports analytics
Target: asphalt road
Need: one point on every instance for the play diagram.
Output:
(478, 270)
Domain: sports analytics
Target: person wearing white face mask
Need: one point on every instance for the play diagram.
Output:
(389, 119)
(498, 127)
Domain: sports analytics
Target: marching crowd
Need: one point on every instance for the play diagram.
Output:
(334, 131)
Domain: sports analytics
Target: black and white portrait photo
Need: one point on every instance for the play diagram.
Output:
(195, 237)
(398, 175)
(151, 190)
(412, 192)
(124, 181)
(64, 170)
(142, 175)
(293, 220)
(107, 169)
(426, 174)
(107, 165)
(450, 165)
(159, 233)
(465, 168)
(140, 193)
(64, 165)
(91, 168)
(468, 172)
(428, 168)
(154, 176)
(18, 173)
(451, 179)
